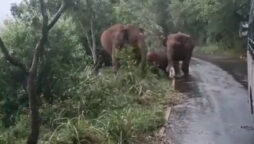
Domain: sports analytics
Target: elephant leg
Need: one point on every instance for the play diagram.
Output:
(170, 68)
(115, 60)
(143, 53)
(136, 54)
(185, 66)
(177, 68)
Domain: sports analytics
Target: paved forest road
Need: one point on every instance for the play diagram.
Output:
(217, 111)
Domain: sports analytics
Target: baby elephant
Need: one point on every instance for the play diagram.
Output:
(179, 48)
(158, 59)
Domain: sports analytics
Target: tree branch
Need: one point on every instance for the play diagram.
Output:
(44, 17)
(10, 59)
(57, 15)
(241, 6)
(40, 45)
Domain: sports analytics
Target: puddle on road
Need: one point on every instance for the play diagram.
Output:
(188, 86)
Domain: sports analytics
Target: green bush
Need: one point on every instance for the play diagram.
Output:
(64, 57)
(106, 108)
(16, 134)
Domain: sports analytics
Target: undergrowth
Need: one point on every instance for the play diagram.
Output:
(108, 108)
(238, 49)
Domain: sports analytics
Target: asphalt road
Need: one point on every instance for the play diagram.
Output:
(217, 110)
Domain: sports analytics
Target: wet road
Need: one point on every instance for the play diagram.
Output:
(216, 111)
(234, 66)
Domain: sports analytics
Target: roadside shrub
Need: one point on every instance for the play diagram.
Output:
(106, 108)
(125, 125)
(77, 130)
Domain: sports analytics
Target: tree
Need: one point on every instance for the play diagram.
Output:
(209, 21)
(91, 18)
(32, 72)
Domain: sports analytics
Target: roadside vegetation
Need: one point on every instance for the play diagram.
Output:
(214, 24)
(218, 50)
(107, 108)
(77, 103)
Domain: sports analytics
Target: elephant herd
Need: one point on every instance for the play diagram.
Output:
(178, 48)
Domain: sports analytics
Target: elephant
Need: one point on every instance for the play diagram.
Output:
(158, 59)
(117, 36)
(103, 59)
(179, 48)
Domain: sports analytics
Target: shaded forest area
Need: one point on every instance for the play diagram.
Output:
(50, 50)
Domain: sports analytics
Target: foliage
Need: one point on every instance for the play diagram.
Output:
(91, 17)
(210, 21)
(61, 59)
(12, 95)
(217, 48)
(143, 14)
(105, 108)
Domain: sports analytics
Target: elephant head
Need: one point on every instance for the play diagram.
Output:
(135, 37)
(117, 36)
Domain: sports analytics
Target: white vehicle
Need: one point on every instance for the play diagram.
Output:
(250, 56)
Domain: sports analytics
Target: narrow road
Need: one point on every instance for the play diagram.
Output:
(217, 111)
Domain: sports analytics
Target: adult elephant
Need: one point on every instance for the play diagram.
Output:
(117, 36)
(179, 48)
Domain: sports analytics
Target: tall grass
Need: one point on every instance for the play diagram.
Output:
(107, 108)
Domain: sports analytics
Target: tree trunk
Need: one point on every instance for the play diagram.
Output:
(93, 49)
(34, 110)
(32, 90)
(33, 71)
(91, 39)
(92, 42)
